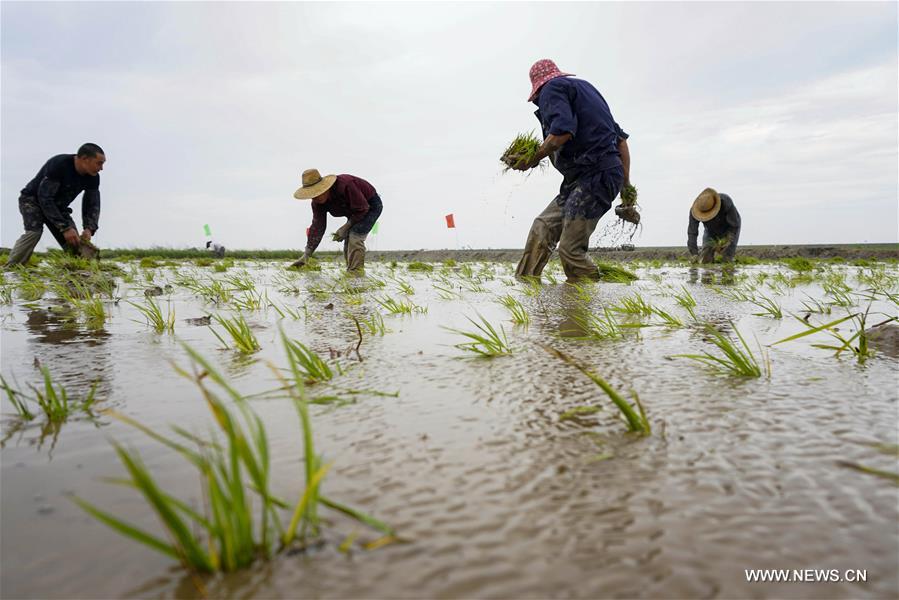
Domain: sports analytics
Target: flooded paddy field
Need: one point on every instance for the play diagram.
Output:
(511, 475)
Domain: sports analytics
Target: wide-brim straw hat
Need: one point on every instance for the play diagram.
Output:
(541, 72)
(314, 184)
(706, 205)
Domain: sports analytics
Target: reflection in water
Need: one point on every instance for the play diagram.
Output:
(723, 275)
(57, 326)
(76, 357)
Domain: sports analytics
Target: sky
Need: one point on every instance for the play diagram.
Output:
(210, 111)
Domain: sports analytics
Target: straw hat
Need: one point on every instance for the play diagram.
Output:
(541, 72)
(314, 184)
(706, 205)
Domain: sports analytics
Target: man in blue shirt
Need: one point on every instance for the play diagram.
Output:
(586, 145)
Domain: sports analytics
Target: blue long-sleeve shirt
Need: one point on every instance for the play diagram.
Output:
(568, 105)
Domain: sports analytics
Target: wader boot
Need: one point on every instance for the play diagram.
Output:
(573, 248)
(542, 239)
(354, 251)
(24, 248)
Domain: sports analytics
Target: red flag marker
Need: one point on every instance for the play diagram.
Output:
(308, 229)
(450, 221)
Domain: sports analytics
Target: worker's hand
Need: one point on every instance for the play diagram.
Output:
(71, 236)
(86, 235)
(341, 233)
(524, 165)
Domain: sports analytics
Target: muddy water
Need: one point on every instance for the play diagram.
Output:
(472, 462)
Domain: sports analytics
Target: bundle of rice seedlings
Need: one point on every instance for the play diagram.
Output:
(521, 151)
(88, 251)
(627, 210)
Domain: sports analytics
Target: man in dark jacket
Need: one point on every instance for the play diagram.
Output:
(588, 147)
(721, 226)
(341, 196)
(46, 199)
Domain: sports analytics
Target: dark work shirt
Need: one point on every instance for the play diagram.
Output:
(57, 184)
(349, 198)
(726, 222)
(568, 105)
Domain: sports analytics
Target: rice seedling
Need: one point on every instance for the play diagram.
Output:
(735, 359)
(6, 294)
(769, 307)
(446, 291)
(841, 294)
(225, 536)
(579, 411)
(241, 282)
(637, 421)
(634, 305)
(516, 309)
(878, 279)
(154, 318)
(521, 151)
(374, 324)
(668, 320)
(614, 274)
(419, 266)
(149, 262)
(244, 339)
(405, 288)
(30, 288)
(734, 294)
(857, 344)
(473, 286)
(686, 301)
(286, 311)
(286, 283)
(888, 475)
(799, 263)
(532, 286)
(400, 308)
(486, 342)
(250, 300)
(52, 400)
(815, 306)
(308, 363)
(583, 290)
(94, 312)
(596, 327)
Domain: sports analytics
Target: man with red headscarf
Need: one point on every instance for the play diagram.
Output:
(586, 145)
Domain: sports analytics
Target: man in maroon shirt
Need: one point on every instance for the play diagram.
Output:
(342, 196)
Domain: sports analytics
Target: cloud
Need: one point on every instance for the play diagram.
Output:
(211, 120)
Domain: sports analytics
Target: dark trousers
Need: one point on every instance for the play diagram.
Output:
(34, 220)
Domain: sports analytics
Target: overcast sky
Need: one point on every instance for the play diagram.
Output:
(209, 112)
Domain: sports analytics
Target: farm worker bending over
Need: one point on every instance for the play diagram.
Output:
(722, 226)
(342, 196)
(45, 201)
(588, 147)
(217, 249)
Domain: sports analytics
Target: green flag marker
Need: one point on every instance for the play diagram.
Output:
(207, 230)
(374, 228)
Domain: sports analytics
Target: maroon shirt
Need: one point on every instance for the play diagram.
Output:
(349, 198)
